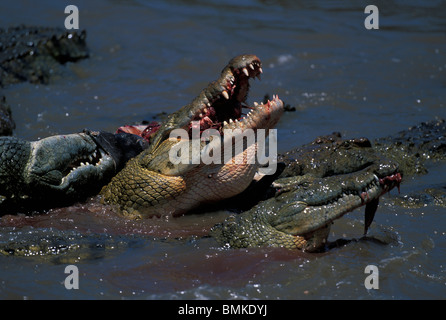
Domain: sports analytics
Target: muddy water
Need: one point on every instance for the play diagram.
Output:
(152, 56)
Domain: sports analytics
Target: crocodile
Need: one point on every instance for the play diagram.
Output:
(415, 149)
(62, 169)
(34, 54)
(320, 183)
(152, 185)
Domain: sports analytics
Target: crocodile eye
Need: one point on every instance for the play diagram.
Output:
(210, 176)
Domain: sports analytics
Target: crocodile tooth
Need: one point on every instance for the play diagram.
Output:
(255, 104)
(208, 104)
(90, 158)
(225, 123)
(230, 121)
(245, 71)
(225, 94)
(205, 110)
(201, 115)
(251, 66)
(260, 69)
(376, 178)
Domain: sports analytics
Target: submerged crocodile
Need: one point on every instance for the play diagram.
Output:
(34, 54)
(331, 173)
(321, 182)
(415, 150)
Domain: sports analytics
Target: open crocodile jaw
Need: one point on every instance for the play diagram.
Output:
(163, 188)
(219, 103)
(219, 106)
(91, 155)
(78, 157)
(225, 98)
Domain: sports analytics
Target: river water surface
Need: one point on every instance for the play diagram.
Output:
(148, 57)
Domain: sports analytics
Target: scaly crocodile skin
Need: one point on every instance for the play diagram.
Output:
(151, 185)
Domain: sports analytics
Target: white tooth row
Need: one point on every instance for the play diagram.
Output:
(230, 121)
(275, 97)
(236, 120)
(82, 164)
(90, 157)
(232, 79)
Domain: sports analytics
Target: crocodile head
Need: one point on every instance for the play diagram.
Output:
(80, 160)
(60, 169)
(221, 101)
(153, 185)
(66, 167)
(330, 178)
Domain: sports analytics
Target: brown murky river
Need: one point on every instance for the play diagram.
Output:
(148, 57)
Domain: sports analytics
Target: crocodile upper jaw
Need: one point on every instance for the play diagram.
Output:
(218, 104)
